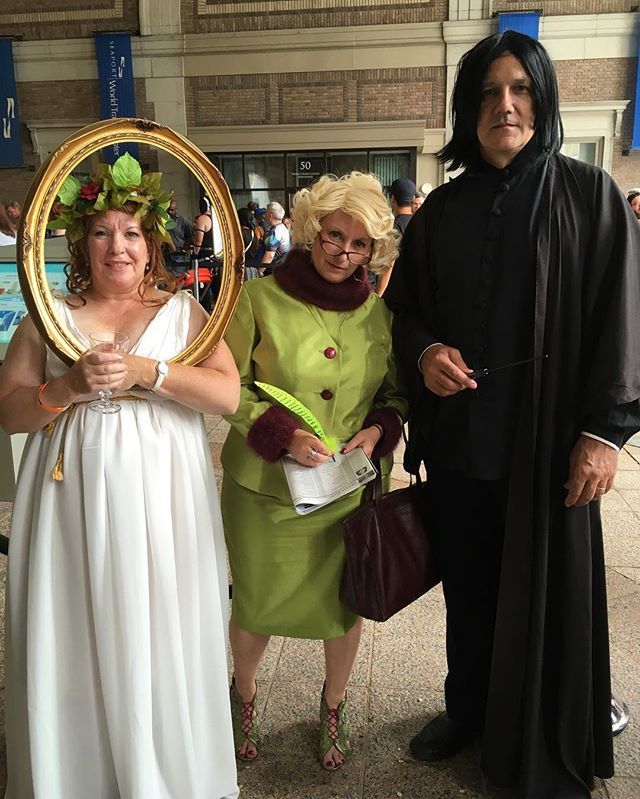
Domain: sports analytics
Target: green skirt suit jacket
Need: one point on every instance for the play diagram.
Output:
(329, 345)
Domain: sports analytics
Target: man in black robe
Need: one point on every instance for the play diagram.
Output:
(527, 256)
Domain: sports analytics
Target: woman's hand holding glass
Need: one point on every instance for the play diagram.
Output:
(97, 371)
(94, 372)
(366, 439)
(307, 449)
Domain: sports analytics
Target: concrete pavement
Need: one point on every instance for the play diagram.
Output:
(397, 686)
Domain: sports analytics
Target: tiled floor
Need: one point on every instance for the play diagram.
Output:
(397, 685)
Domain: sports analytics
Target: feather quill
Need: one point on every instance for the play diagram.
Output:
(294, 405)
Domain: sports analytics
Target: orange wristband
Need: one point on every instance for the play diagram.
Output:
(43, 405)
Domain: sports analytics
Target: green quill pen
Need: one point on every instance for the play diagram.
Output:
(295, 406)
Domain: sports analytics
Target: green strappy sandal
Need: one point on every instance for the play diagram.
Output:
(245, 721)
(334, 731)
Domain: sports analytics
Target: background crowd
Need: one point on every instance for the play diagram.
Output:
(9, 219)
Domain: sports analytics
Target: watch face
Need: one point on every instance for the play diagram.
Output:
(162, 368)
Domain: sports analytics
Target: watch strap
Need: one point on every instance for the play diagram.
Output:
(162, 369)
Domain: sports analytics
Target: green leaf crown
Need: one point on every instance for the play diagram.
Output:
(112, 187)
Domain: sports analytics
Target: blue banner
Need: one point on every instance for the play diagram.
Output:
(11, 139)
(115, 81)
(526, 22)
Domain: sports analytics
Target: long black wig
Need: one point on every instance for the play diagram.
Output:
(463, 149)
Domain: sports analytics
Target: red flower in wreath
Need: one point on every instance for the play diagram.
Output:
(89, 191)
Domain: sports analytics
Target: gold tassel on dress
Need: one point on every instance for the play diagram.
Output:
(49, 427)
(56, 472)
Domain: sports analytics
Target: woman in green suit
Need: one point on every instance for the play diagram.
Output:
(314, 329)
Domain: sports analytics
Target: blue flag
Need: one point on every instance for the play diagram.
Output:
(523, 22)
(115, 81)
(11, 140)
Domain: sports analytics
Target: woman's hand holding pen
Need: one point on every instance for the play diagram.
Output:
(366, 439)
(307, 449)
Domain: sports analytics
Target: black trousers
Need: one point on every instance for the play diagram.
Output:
(467, 519)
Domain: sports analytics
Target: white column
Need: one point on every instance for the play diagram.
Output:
(159, 17)
(461, 10)
(160, 61)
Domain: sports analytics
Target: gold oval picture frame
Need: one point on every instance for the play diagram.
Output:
(42, 194)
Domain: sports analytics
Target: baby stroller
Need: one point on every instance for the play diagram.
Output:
(206, 287)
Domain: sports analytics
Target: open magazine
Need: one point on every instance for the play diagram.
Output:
(314, 488)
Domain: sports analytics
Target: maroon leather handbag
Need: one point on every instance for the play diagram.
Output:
(389, 559)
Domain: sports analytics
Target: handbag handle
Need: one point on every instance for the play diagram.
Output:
(373, 489)
(376, 484)
(417, 474)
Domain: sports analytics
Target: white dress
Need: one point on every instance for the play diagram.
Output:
(117, 603)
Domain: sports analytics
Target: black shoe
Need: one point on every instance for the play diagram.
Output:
(441, 738)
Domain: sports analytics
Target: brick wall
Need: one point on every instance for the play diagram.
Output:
(596, 79)
(71, 100)
(626, 168)
(563, 7)
(606, 79)
(204, 16)
(304, 97)
(66, 19)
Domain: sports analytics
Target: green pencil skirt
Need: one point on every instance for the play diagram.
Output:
(286, 568)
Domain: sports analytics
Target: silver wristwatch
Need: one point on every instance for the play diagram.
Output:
(162, 370)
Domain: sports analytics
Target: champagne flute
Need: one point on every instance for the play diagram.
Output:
(107, 341)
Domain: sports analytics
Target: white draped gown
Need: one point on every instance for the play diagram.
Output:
(116, 670)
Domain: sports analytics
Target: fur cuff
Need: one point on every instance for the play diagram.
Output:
(271, 432)
(391, 425)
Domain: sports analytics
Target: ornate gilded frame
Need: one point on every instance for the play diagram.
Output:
(42, 194)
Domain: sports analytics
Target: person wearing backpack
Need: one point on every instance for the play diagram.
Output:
(277, 241)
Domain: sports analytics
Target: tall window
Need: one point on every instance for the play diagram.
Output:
(390, 165)
(264, 177)
(588, 151)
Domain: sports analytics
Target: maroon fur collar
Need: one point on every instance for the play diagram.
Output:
(299, 277)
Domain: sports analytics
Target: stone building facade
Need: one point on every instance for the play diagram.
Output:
(271, 89)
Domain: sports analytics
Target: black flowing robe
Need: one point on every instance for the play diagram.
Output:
(548, 725)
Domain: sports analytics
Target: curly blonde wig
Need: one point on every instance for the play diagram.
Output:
(358, 195)
(78, 270)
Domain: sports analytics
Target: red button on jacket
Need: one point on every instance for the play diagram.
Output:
(326, 394)
(330, 353)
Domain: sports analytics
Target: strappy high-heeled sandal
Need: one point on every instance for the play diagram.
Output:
(334, 731)
(245, 722)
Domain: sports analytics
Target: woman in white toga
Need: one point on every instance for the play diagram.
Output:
(117, 589)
